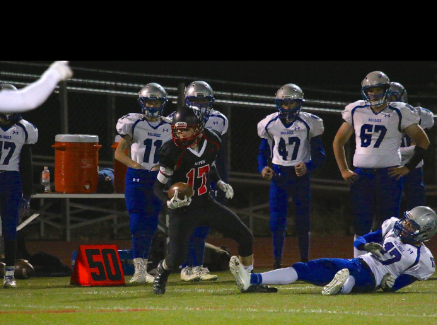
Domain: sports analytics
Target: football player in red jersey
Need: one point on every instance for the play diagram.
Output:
(189, 158)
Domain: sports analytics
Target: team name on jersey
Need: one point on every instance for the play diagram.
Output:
(375, 120)
(5, 136)
(199, 162)
(158, 135)
(287, 132)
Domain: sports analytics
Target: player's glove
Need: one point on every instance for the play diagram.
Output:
(387, 282)
(24, 208)
(175, 202)
(374, 248)
(229, 191)
(63, 68)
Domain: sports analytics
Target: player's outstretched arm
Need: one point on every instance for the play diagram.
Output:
(35, 94)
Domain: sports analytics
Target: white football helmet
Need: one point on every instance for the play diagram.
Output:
(289, 93)
(422, 225)
(372, 80)
(399, 92)
(200, 90)
(152, 91)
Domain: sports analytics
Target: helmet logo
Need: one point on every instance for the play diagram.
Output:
(181, 125)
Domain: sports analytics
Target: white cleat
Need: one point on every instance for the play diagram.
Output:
(204, 274)
(336, 285)
(141, 275)
(188, 274)
(9, 282)
(242, 277)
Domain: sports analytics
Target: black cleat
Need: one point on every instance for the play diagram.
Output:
(161, 278)
(260, 288)
(277, 264)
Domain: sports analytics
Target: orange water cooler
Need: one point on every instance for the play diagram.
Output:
(119, 170)
(76, 163)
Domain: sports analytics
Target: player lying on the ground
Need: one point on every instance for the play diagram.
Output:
(396, 257)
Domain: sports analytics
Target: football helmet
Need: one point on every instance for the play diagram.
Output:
(372, 80)
(200, 90)
(184, 118)
(9, 116)
(152, 91)
(289, 93)
(399, 92)
(418, 225)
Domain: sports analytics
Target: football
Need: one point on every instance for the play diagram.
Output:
(183, 190)
(23, 269)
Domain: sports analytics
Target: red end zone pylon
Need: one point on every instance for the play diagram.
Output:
(97, 265)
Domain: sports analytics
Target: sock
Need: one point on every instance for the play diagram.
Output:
(248, 268)
(9, 271)
(280, 276)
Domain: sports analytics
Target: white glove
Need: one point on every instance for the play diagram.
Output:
(229, 191)
(63, 68)
(388, 281)
(175, 202)
(374, 248)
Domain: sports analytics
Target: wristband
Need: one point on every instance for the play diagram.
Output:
(419, 154)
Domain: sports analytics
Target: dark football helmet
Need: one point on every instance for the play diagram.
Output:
(286, 94)
(418, 225)
(12, 117)
(152, 91)
(186, 117)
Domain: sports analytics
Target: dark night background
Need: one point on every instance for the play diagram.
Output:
(416, 76)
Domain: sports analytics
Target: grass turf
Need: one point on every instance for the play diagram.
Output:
(55, 301)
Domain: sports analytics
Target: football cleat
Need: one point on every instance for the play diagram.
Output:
(336, 285)
(160, 280)
(204, 274)
(188, 274)
(260, 288)
(141, 275)
(242, 277)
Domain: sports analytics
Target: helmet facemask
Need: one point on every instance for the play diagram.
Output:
(186, 142)
(398, 92)
(152, 111)
(288, 113)
(375, 79)
(152, 92)
(200, 90)
(418, 225)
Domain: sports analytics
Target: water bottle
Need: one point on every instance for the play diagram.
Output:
(45, 179)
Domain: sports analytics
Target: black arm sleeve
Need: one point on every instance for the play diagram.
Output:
(419, 154)
(26, 172)
(159, 191)
(214, 175)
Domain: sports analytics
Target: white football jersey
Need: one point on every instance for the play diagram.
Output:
(216, 121)
(400, 258)
(290, 144)
(147, 137)
(378, 136)
(12, 140)
(426, 122)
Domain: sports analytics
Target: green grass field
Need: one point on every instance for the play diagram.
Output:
(55, 301)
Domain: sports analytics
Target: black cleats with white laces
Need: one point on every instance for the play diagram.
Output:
(260, 288)
(161, 278)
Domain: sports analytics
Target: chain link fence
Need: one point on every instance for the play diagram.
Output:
(93, 100)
